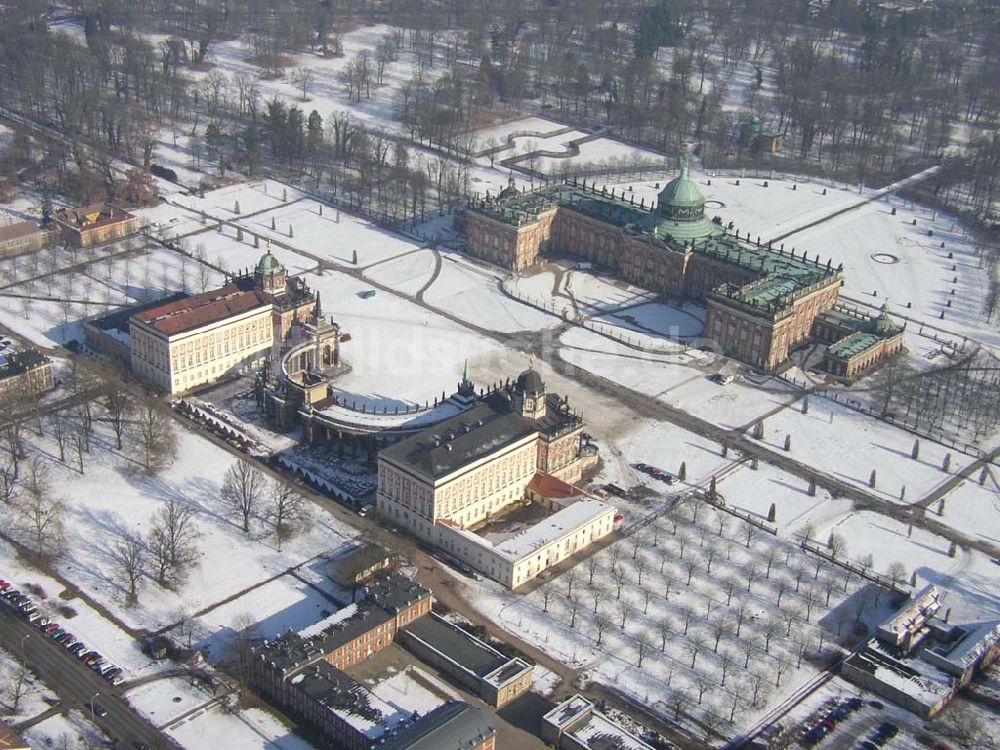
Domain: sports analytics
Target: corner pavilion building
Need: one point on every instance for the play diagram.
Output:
(762, 302)
(516, 445)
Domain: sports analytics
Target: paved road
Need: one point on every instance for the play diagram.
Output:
(76, 685)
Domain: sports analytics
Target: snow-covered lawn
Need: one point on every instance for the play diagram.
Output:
(974, 509)
(251, 729)
(496, 135)
(33, 691)
(163, 701)
(406, 274)
(283, 604)
(240, 200)
(68, 730)
(400, 352)
(680, 380)
(113, 497)
(473, 294)
(601, 152)
(850, 445)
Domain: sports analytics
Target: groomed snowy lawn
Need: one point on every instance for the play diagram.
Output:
(406, 274)
(473, 294)
(974, 509)
(72, 729)
(849, 445)
(165, 700)
(680, 380)
(113, 497)
(33, 694)
(251, 729)
(400, 352)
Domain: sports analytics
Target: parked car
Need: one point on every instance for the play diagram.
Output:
(100, 710)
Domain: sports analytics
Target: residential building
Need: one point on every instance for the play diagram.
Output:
(25, 375)
(919, 661)
(475, 665)
(576, 724)
(361, 564)
(96, 224)
(24, 237)
(304, 672)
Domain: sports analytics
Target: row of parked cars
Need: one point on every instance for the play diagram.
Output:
(882, 734)
(828, 723)
(663, 476)
(28, 612)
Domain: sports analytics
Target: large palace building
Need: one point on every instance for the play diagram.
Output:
(762, 301)
(516, 445)
(190, 340)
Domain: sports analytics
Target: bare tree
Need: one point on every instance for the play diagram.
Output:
(40, 513)
(593, 565)
(173, 542)
(896, 572)
(620, 578)
(686, 615)
(240, 654)
(130, 556)
(781, 588)
(695, 645)
(287, 507)
(119, 406)
(643, 645)
(243, 491)
(601, 623)
(625, 609)
(573, 605)
(772, 629)
(725, 662)
(16, 689)
(157, 442)
(719, 627)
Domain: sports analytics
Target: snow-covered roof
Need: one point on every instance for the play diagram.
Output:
(554, 527)
(921, 608)
(317, 628)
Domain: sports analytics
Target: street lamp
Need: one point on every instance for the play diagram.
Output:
(23, 641)
(92, 719)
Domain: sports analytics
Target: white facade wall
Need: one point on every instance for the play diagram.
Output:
(465, 497)
(186, 360)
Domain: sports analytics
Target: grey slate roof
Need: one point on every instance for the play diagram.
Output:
(452, 726)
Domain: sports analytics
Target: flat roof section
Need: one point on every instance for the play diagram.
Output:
(458, 645)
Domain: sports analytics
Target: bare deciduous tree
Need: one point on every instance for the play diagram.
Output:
(243, 490)
(287, 507)
(130, 556)
(173, 542)
(157, 442)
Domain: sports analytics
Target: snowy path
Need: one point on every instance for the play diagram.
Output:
(881, 193)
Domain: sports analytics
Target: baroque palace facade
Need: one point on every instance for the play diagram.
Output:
(762, 301)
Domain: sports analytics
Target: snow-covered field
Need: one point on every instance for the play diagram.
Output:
(68, 730)
(33, 692)
(251, 729)
(850, 445)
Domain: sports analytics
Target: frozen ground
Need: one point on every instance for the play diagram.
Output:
(113, 497)
(974, 509)
(849, 445)
(407, 274)
(473, 293)
(67, 730)
(33, 692)
(250, 729)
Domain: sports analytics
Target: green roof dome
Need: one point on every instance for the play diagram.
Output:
(681, 199)
(268, 265)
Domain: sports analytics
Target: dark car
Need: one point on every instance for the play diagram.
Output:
(100, 710)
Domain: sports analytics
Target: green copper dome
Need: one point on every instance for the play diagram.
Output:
(268, 265)
(883, 323)
(681, 199)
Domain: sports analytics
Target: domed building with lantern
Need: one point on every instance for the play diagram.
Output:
(762, 301)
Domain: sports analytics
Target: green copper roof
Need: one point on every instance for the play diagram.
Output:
(685, 230)
(680, 193)
(853, 345)
(268, 265)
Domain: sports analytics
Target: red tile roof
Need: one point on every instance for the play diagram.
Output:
(547, 485)
(19, 229)
(201, 310)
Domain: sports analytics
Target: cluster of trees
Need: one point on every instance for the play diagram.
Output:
(957, 399)
(725, 615)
